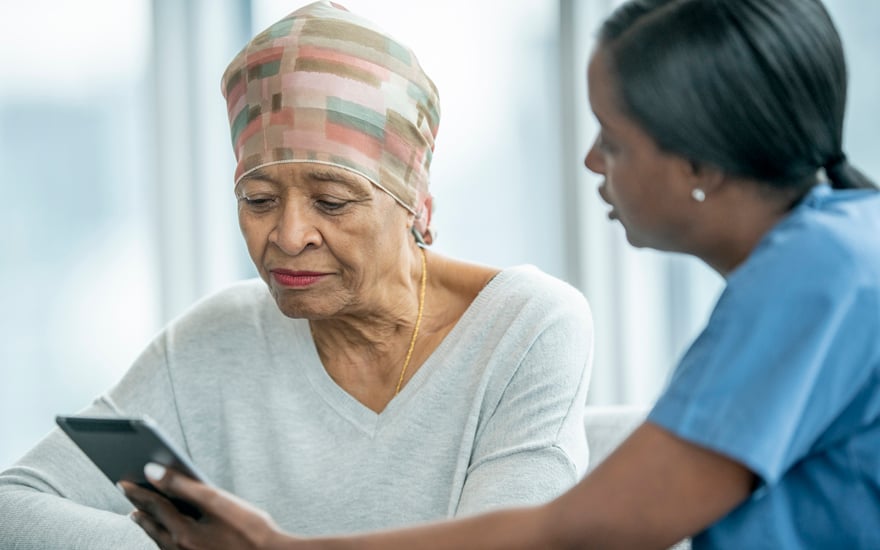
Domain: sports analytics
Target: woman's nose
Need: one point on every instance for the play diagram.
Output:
(295, 230)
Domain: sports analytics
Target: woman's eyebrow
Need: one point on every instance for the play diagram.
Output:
(259, 174)
(339, 176)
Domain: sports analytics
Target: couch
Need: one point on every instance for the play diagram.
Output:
(607, 427)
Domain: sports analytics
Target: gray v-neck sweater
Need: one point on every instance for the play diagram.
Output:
(493, 418)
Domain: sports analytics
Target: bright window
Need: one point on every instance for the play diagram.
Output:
(78, 281)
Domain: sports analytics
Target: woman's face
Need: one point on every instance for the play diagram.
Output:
(326, 241)
(648, 190)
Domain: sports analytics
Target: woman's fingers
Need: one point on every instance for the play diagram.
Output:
(155, 531)
(160, 510)
(143, 499)
(226, 522)
(159, 518)
(212, 501)
(177, 485)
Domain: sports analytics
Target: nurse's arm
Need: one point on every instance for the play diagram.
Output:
(651, 492)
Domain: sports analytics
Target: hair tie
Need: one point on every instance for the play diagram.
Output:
(834, 162)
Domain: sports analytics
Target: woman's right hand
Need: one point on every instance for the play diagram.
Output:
(227, 521)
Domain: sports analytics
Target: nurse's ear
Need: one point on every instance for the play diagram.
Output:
(703, 180)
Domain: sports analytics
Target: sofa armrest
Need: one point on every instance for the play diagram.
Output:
(607, 426)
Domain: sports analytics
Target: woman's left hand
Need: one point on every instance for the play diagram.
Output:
(226, 522)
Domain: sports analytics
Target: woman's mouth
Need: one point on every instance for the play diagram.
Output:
(296, 279)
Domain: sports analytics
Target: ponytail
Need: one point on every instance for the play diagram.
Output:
(844, 175)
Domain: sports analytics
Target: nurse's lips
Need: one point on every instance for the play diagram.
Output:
(612, 214)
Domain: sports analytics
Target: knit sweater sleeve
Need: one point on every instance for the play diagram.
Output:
(55, 497)
(531, 445)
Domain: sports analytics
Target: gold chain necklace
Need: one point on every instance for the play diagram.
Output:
(412, 343)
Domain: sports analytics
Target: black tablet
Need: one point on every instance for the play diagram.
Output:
(121, 447)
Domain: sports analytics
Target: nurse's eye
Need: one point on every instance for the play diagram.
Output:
(603, 144)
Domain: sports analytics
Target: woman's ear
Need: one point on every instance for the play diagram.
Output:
(422, 221)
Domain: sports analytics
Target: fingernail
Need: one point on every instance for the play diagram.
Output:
(119, 487)
(154, 471)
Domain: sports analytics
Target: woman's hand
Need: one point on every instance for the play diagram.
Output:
(227, 521)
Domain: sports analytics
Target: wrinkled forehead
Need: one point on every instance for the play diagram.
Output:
(309, 173)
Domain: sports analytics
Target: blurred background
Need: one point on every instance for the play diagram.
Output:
(116, 176)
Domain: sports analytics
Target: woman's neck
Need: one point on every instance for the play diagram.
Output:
(365, 350)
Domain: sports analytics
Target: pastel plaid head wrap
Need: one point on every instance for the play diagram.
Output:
(325, 85)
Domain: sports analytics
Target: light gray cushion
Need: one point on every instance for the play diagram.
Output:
(607, 426)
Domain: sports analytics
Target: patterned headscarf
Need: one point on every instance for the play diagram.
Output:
(325, 85)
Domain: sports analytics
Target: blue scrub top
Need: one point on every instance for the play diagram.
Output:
(785, 379)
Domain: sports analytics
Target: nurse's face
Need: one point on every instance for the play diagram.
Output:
(648, 190)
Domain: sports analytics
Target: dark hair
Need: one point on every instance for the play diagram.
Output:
(756, 88)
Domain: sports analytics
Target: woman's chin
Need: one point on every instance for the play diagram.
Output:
(296, 307)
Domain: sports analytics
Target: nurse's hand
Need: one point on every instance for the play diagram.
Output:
(227, 521)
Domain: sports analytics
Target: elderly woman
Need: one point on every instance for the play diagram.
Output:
(721, 137)
(364, 382)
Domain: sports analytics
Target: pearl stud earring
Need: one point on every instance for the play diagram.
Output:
(698, 194)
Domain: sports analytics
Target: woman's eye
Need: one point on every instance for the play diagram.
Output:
(330, 206)
(256, 203)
